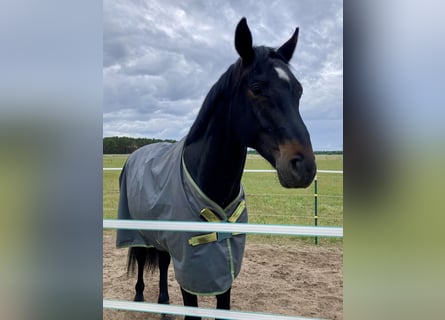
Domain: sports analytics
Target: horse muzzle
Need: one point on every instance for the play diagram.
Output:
(295, 165)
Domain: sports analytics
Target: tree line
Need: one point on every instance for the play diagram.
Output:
(329, 152)
(126, 145)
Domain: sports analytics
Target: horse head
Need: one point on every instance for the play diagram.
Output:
(267, 107)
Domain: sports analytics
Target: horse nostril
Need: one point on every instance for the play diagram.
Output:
(296, 160)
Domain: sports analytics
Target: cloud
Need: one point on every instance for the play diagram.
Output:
(162, 57)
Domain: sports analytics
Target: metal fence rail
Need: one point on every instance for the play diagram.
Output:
(249, 170)
(223, 227)
(197, 312)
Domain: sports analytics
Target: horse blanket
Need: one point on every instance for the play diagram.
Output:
(155, 185)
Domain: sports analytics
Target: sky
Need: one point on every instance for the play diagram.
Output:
(160, 58)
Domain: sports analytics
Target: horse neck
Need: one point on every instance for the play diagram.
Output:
(216, 162)
(213, 154)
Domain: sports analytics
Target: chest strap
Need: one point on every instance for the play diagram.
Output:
(210, 216)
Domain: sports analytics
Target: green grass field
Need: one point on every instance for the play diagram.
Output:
(267, 201)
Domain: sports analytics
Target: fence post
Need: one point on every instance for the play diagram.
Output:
(316, 206)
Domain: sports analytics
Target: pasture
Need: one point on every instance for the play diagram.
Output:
(267, 201)
(303, 279)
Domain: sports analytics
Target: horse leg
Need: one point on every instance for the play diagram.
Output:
(164, 262)
(223, 301)
(140, 255)
(190, 300)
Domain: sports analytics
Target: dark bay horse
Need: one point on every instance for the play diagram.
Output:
(255, 104)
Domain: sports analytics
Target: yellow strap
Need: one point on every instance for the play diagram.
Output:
(206, 238)
(238, 211)
(203, 239)
(209, 215)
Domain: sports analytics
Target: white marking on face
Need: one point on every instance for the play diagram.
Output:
(282, 74)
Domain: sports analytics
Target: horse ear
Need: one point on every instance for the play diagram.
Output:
(287, 49)
(243, 41)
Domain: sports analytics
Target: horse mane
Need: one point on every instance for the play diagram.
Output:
(222, 90)
(219, 93)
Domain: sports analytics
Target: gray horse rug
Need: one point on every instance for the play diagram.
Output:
(155, 185)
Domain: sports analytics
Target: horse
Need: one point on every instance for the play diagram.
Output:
(254, 104)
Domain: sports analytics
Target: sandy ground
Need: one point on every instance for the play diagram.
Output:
(297, 280)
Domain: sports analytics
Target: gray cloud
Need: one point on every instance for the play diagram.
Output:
(162, 57)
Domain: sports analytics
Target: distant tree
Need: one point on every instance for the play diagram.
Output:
(329, 152)
(126, 145)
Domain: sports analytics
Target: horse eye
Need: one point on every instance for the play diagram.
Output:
(256, 88)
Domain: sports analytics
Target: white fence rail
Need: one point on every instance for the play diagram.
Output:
(248, 170)
(197, 312)
(224, 227)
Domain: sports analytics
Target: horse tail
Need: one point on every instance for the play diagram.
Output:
(146, 258)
